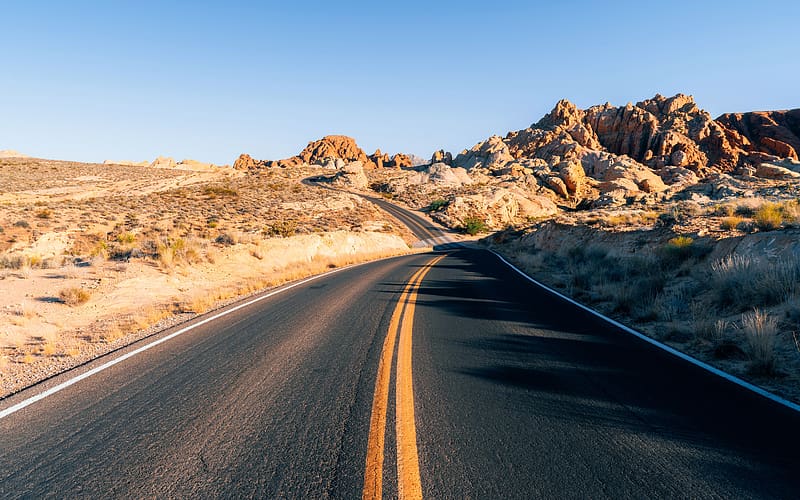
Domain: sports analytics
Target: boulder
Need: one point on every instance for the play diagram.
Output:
(777, 172)
(352, 176)
(498, 207)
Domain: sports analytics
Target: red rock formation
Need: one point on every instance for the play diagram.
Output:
(335, 146)
(400, 160)
(775, 133)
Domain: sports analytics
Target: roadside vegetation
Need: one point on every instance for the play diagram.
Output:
(731, 297)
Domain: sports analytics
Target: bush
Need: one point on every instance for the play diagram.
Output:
(731, 223)
(74, 296)
(437, 205)
(743, 281)
(284, 229)
(768, 217)
(22, 224)
(474, 225)
(679, 248)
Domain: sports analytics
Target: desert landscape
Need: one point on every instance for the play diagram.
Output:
(95, 256)
(684, 227)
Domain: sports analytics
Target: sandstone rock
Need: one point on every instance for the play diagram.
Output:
(573, 175)
(380, 159)
(491, 154)
(401, 160)
(442, 156)
(498, 207)
(442, 175)
(246, 162)
(352, 176)
(775, 133)
(163, 162)
(558, 186)
(335, 146)
(771, 171)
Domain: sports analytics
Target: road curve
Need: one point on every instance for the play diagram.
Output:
(515, 394)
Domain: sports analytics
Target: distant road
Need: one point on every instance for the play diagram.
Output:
(444, 375)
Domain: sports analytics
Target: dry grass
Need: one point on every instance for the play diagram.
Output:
(760, 330)
(74, 296)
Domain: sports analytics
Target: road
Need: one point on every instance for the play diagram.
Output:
(443, 375)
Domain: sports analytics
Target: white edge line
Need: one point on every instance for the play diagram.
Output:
(686, 357)
(49, 392)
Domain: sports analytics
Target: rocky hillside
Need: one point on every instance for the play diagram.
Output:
(332, 151)
(656, 151)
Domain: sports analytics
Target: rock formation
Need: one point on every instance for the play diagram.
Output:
(775, 133)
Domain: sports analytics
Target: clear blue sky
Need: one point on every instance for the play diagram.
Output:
(88, 81)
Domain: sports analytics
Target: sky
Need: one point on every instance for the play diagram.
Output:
(131, 80)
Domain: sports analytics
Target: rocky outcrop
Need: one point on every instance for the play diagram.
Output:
(380, 159)
(401, 160)
(246, 162)
(775, 133)
(489, 156)
(497, 207)
(351, 176)
(442, 156)
(164, 162)
(335, 146)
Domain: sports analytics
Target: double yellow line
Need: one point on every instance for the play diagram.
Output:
(408, 480)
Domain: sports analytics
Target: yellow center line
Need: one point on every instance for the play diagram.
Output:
(408, 464)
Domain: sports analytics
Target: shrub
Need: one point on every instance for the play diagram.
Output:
(732, 222)
(22, 224)
(744, 281)
(284, 229)
(474, 225)
(215, 191)
(225, 239)
(679, 248)
(74, 296)
(760, 330)
(44, 213)
(126, 238)
(768, 217)
(437, 205)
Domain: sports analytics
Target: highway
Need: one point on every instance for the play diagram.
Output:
(437, 375)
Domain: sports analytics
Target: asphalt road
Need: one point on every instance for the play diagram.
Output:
(515, 394)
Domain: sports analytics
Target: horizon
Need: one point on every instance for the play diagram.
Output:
(94, 82)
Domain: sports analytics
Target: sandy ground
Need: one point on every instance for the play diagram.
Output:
(95, 256)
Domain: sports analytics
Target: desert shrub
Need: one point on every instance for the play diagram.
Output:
(74, 296)
(225, 239)
(679, 248)
(760, 330)
(743, 281)
(23, 224)
(437, 205)
(44, 213)
(13, 261)
(216, 191)
(284, 229)
(474, 224)
(212, 222)
(732, 222)
(768, 217)
(126, 238)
